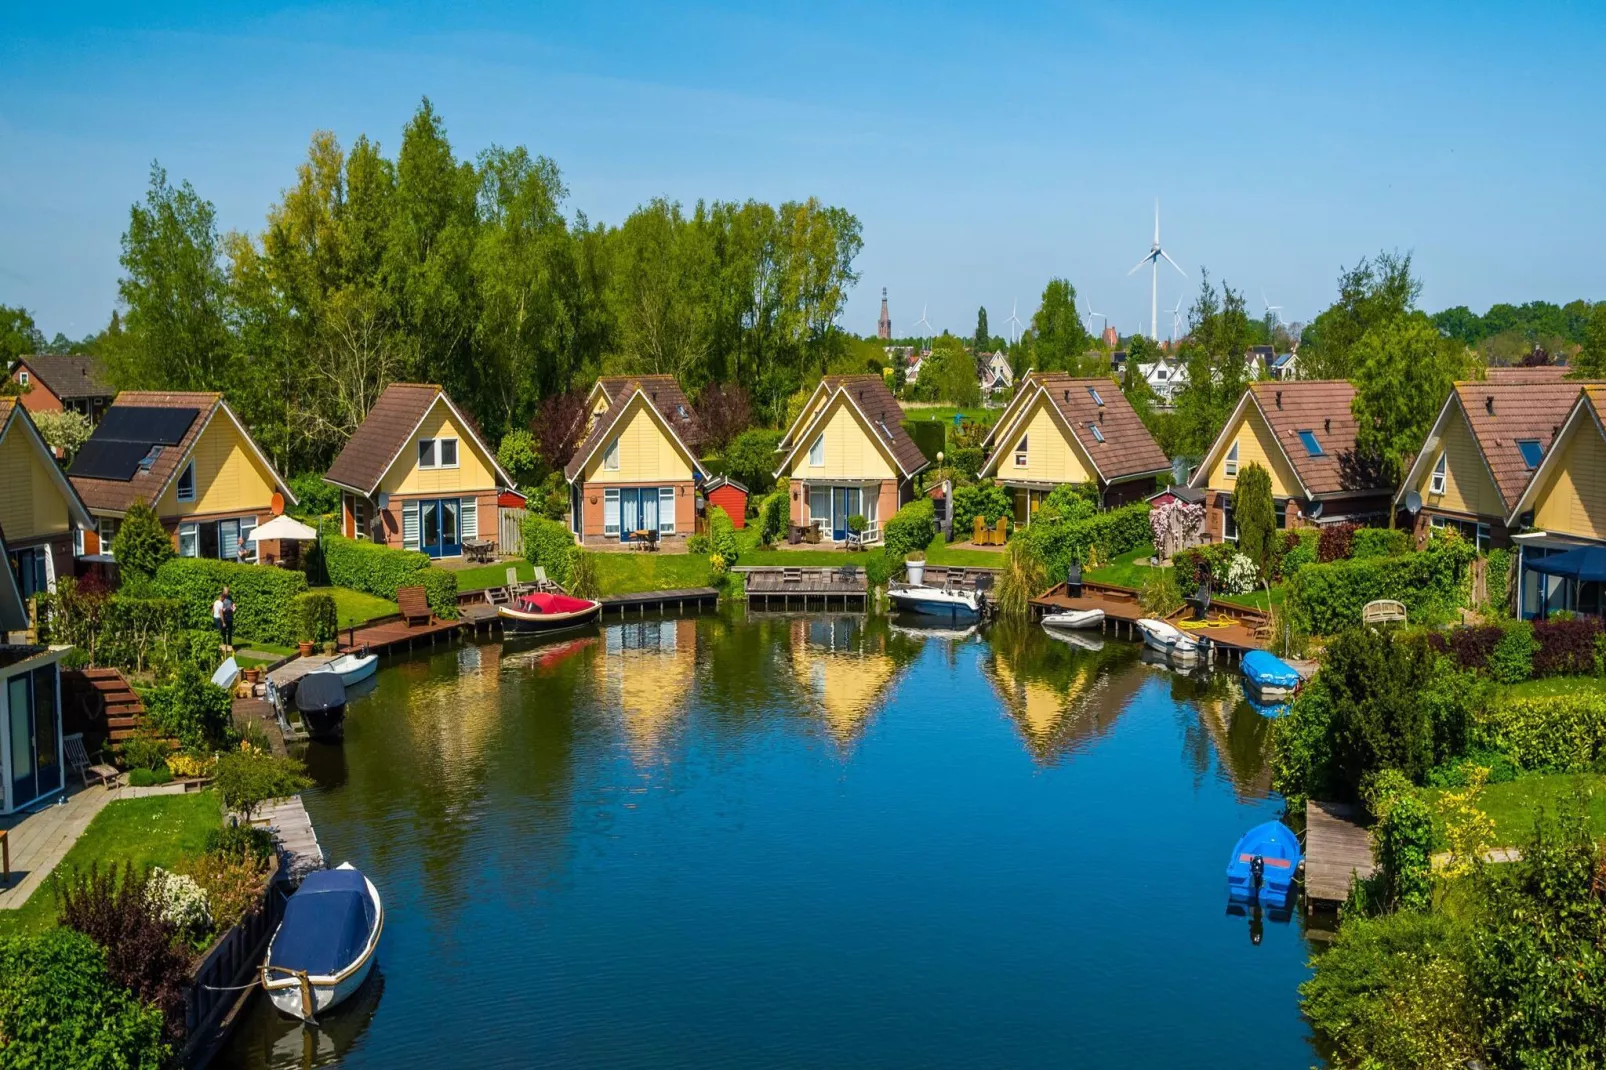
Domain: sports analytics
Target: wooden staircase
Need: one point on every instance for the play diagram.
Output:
(124, 710)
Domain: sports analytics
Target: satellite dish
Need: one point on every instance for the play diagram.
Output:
(1413, 502)
(382, 499)
(1313, 509)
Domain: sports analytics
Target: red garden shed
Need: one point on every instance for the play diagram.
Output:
(730, 496)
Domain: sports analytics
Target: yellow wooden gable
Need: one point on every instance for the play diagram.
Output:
(1255, 442)
(230, 475)
(846, 447)
(643, 448)
(1467, 487)
(1568, 494)
(475, 469)
(1050, 452)
(36, 500)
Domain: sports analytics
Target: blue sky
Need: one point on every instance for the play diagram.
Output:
(985, 148)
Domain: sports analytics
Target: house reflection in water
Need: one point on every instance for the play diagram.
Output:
(844, 670)
(1228, 727)
(457, 717)
(647, 675)
(1059, 699)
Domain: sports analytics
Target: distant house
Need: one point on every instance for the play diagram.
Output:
(1484, 447)
(417, 475)
(62, 381)
(1303, 434)
(1259, 361)
(996, 374)
(41, 514)
(1285, 366)
(1563, 509)
(636, 468)
(1165, 378)
(847, 454)
(31, 758)
(190, 458)
(1058, 429)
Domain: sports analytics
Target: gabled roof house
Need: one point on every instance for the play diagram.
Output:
(56, 381)
(1560, 516)
(41, 513)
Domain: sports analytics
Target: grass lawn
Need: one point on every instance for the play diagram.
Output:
(358, 607)
(1126, 570)
(478, 579)
(1556, 685)
(628, 573)
(156, 831)
(1514, 805)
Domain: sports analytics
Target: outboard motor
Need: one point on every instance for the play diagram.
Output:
(1073, 580)
(1257, 871)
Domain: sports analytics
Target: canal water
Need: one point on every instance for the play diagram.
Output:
(786, 841)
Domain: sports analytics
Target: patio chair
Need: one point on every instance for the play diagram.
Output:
(979, 533)
(413, 604)
(1001, 531)
(78, 758)
(544, 582)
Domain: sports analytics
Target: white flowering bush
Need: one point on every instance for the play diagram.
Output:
(181, 901)
(1175, 525)
(1242, 575)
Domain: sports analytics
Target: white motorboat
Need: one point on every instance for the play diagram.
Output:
(324, 949)
(1076, 639)
(1074, 618)
(351, 668)
(1169, 639)
(935, 601)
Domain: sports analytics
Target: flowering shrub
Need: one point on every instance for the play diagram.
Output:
(181, 902)
(1242, 575)
(232, 881)
(717, 564)
(1175, 526)
(189, 767)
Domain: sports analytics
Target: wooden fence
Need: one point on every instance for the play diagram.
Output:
(231, 963)
(510, 531)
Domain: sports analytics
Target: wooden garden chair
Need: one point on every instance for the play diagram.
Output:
(979, 533)
(413, 604)
(543, 581)
(1001, 531)
(78, 758)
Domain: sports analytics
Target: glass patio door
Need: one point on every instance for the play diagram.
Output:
(846, 505)
(31, 725)
(439, 531)
(629, 512)
(649, 508)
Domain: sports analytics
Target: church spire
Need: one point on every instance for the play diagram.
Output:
(883, 329)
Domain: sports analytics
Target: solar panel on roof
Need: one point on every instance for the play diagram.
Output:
(153, 425)
(107, 460)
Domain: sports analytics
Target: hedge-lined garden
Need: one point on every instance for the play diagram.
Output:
(264, 598)
(381, 570)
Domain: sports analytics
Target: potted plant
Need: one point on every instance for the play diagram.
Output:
(916, 565)
(856, 524)
(305, 647)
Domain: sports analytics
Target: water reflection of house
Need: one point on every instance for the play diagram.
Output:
(1232, 730)
(647, 676)
(844, 670)
(458, 716)
(1056, 707)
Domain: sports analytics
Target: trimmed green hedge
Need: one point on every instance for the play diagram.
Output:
(1379, 542)
(317, 618)
(722, 533)
(1566, 733)
(380, 570)
(263, 596)
(1114, 532)
(1325, 599)
(986, 500)
(911, 529)
(550, 544)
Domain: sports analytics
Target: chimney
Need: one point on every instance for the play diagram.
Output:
(1067, 397)
(1488, 404)
(1279, 399)
(1327, 425)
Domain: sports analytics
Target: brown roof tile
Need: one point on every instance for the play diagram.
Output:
(1128, 449)
(1545, 373)
(1321, 406)
(875, 401)
(369, 452)
(70, 375)
(661, 391)
(114, 495)
(1502, 413)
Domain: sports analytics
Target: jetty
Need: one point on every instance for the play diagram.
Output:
(785, 587)
(1233, 629)
(1338, 851)
(698, 598)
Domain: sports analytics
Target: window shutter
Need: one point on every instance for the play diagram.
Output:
(468, 520)
(666, 510)
(610, 512)
(409, 525)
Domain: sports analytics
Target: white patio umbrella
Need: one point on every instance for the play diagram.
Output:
(283, 527)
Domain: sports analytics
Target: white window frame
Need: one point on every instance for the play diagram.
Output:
(817, 452)
(468, 519)
(666, 510)
(440, 453)
(188, 472)
(610, 457)
(610, 499)
(245, 525)
(106, 531)
(1229, 525)
(192, 532)
(22, 377)
(1441, 474)
(410, 523)
(1021, 452)
(1229, 467)
(430, 459)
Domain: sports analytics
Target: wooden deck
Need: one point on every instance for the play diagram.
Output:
(1232, 628)
(1338, 849)
(770, 587)
(390, 634)
(293, 832)
(698, 598)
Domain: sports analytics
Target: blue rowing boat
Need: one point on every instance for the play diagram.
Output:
(1263, 865)
(1269, 675)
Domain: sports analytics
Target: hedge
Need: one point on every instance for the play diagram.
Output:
(380, 570)
(1324, 599)
(262, 595)
(317, 619)
(1564, 733)
(774, 516)
(1379, 542)
(722, 534)
(1111, 533)
(1557, 647)
(550, 544)
(911, 529)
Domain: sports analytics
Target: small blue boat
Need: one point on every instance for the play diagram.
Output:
(1263, 865)
(1269, 675)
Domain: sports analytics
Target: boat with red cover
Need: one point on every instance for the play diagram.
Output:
(543, 612)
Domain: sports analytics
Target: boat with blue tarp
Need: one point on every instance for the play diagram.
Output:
(325, 945)
(1270, 710)
(1264, 864)
(1269, 675)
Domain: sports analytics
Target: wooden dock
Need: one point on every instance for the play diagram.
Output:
(1233, 629)
(293, 832)
(785, 587)
(391, 634)
(1338, 849)
(698, 598)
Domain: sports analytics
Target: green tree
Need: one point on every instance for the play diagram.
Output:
(1591, 362)
(979, 346)
(520, 457)
(1214, 355)
(1403, 370)
(60, 1008)
(176, 293)
(1256, 517)
(1059, 341)
(951, 372)
(64, 429)
(18, 335)
(1372, 293)
(141, 543)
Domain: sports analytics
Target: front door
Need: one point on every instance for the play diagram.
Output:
(629, 512)
(31, 725)
(847, 504)
(439, 534)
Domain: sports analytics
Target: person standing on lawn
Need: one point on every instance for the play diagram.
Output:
(217, 614)
(226, 618)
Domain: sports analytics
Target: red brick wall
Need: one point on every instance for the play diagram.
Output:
(40, 398)
(592, 513)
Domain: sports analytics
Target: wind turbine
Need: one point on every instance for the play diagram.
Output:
(921, 322)
(1156, 254)
(1176, 320)
(1271, 308)
(1014, 323)
(1091, 315)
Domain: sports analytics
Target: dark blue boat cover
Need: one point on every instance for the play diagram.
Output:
(318, 691)
(326, 923)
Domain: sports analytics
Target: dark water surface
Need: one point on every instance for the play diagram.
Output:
(800, 842)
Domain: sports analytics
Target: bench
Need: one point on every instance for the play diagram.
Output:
(1383, 611)
(413, 604)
